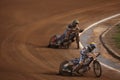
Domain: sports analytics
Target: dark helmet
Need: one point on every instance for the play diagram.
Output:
(91, 46)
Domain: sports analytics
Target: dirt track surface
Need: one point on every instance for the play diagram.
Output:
(25, 29)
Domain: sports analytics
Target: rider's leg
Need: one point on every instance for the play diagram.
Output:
(79, 65)
(90, 59)
(77, 41)
(78, 46)
(62, 37)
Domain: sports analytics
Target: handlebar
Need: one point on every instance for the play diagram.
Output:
(98, 54)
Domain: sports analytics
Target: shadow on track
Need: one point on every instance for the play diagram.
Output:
(57, 74)
(36, 45)
(46, 46)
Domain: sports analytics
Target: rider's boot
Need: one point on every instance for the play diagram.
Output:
(76, 70)
(77, 67)
(88, 68)
(62, 42)
(58, 42)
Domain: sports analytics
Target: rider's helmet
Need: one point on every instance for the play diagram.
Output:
(91, 46)
(75, 22)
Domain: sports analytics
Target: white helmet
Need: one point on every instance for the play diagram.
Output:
(75, 22)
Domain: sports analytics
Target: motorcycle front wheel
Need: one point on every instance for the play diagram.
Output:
(97, 68)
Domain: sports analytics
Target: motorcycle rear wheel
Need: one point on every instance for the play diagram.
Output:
(52, 42)
(64, 73)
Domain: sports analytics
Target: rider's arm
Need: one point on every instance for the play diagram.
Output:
(92, 55)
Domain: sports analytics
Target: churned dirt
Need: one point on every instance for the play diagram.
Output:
(27, 25)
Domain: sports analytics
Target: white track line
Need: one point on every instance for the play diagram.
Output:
(103, 20)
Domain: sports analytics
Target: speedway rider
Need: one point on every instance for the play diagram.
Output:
(84, 53)
(73, 27)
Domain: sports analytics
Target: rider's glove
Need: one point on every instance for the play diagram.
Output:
(95, 59)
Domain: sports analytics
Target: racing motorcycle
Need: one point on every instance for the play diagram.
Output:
(56, 41)
(84, 68)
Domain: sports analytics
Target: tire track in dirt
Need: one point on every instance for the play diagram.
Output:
(27, 57)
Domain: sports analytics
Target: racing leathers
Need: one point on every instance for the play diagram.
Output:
(70, 29)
